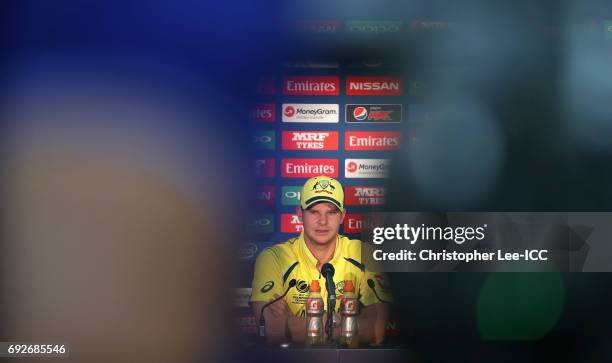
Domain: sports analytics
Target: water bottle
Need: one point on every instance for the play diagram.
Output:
(314, 311)
(349, 336)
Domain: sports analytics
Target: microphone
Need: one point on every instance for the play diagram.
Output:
(372, 286)
(262, 320)
(327, 270)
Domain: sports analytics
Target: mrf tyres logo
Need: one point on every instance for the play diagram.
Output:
(374, 86)
(373, 113)
(264, 112)
(310, 140)
(367, 168)
(311, 86)
(310, 113)
(362, 195)
(290, 223)
(372, 140)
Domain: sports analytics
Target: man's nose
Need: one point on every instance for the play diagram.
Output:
(323, 219)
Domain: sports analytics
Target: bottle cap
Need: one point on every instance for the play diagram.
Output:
(348, 286)
(314, 286)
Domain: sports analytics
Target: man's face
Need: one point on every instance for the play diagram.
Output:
(321, 222)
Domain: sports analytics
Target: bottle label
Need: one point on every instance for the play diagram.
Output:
(314, 306)
(349, 306)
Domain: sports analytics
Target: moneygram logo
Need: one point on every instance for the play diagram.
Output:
(366, 168)
(310, 140)
(307, 168)
(315, 113)
(374, 27)
(262, 223)
(311, 85)
(290, 223)
(362, 195)
(373, 113)
(264, 195)
(291, 195)
(372, 140)
(374, 86)
(264, 168)
(264, 140)
(264, 112)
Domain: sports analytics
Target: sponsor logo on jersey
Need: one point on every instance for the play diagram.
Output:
(374, 86)
(302, 286)
(264, 140)
(362, 195)
(267, 286)
(264, 195)
(373, 113)
(316, 113)
(373, 27)
(307, 168)
(311, 85)
(264, 112)
(290, 223)
(291, 195)
(310, 140)
(372, 140)
(262, 223)
(266, 86)
(366, 168)
(264, 168)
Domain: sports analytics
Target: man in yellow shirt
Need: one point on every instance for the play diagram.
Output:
(321, 211)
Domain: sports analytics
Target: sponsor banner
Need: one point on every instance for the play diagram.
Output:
(291, 195)
(364, 195)
(311, 86)
(374, 86)
(356, 223)
(264, 195)
(264, 140)
(307, 168)
(366, 168)
(262, 223)
(373, 27)
(264, 112)
(266, 86)
(241, 297)
(290, 223)
(311, 64)
(264, 168)
(247, 251)
(311, 112)
(318, 26)
(373, 113)
(310, 140)
(372, 140)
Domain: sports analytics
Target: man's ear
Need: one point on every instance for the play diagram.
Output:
(298, 211)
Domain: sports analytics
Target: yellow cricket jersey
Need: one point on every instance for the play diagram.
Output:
(279, 264)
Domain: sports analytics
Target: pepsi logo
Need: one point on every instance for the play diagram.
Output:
(351, 167)
(360, 113)
(289, 111)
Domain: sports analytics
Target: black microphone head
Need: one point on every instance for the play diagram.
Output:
(292, 283)
(327, 269)
(371, 283)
